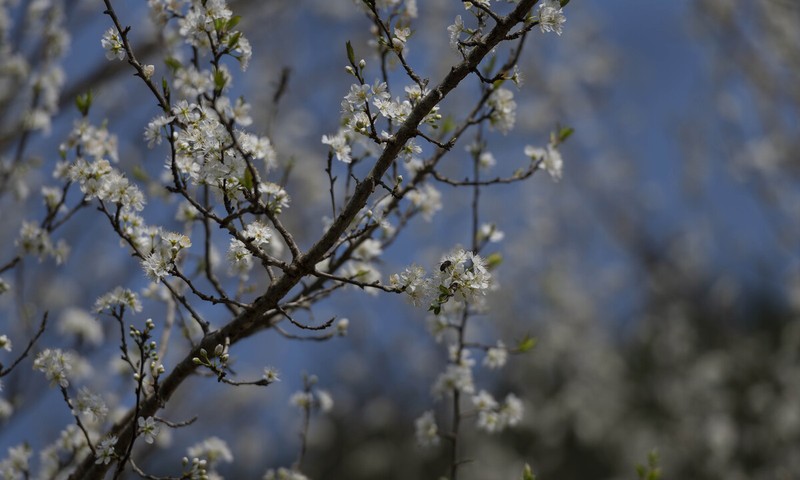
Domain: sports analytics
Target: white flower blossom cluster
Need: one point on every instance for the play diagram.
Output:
(118, 298)
(161, 251)
(202, 152)
(105, 450)
(503, 110)
(15, 465)
(457, 377)
(60, 367)
(212, 451)
(240, 257)
(112, 44)
(462, 279)
(550, 158)
(494, 417)
(91, 405)
(78, 322)
(426, 430)
(316, 398)
(360, 121)
(461, 275)
(34, 240)
(551, 16)
(31, 79)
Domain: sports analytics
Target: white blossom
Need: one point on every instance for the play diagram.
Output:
(455, 377)
(212, 449)
(464, 274)
(455, 31)
(112, 43)
(56, 364)
(90, 404)
(426, 430)
(149, 428)
(119, 297)
(324, 400)
(15, 465)
(504, 110)
(414, 283)
(5, 343)
(301, 399)
(551, 16)
(339, 145)
(427, 199)
(496, 356)
(105, 451)
(271, 375)
(550, 158)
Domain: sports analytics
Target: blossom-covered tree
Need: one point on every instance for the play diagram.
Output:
(210, 227)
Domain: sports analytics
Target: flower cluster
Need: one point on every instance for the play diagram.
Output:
(207, 23)
(105, 450)
(258, 239)
(503, 109)
(549, 157)
(360, 122)
(161, 250)
(90, 405)
(34, 240)
(426, 430)
(202, 145)
(15, 465)
(414, 283)
(59, 366)
(551, 16)
(316, 398)
(78, 322)
(213, 450)
(118, 298)
(112, 44)
(494, 417)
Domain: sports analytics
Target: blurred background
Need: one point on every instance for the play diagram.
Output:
(660, 275)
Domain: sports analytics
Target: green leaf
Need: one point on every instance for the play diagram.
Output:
(527, 473)
(641, 471)
(219, 79)
(526, 344)
(173, 63)
(494, 260)
(233, 40)
(652, 471)
(448, 125)
(84, 101)
(140, 173)
(564, 133)
(351, 55)
(247, 181)
(233, 21)
(219, 24)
